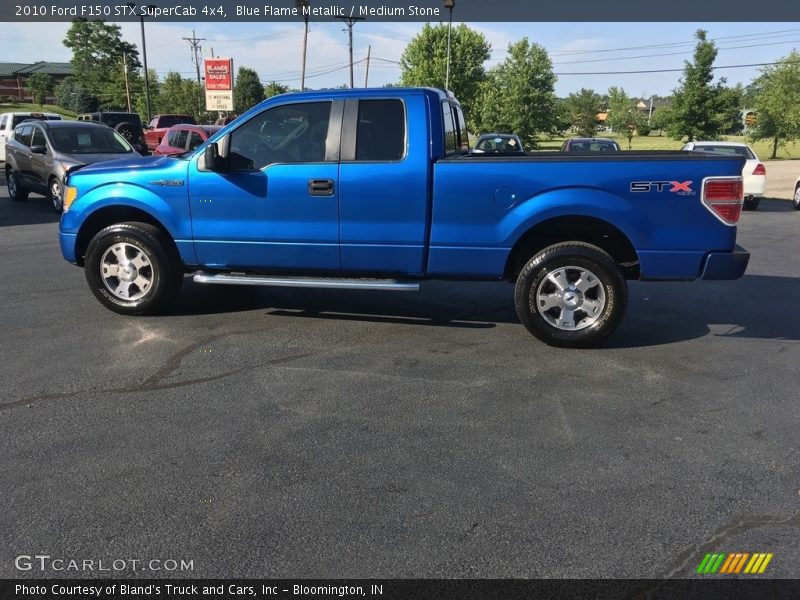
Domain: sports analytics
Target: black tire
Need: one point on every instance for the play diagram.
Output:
(15, 190)
(163, 269)
(608, 295)
(751, 203)
(55, 193)
(796, 200)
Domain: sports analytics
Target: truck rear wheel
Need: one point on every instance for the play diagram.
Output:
(130, 270)
(571, 295)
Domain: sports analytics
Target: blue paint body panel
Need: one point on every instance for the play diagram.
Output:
(424, 215)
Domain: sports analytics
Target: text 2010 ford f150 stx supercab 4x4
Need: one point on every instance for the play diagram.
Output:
(369, 189)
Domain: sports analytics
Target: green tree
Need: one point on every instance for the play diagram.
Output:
(98, 51)
(247, 91)
(273, 88)
(424, 63)
(700, 109)
(40, 85)
(183, 96)
(777, 102)
(73, 96)
(518, 95)
(661, 118)
(582, 108)
(623, 116)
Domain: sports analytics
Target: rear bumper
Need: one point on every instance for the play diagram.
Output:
(726, 265)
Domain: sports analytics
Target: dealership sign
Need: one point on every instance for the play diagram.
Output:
(219, 83)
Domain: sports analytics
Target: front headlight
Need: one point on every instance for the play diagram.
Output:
(70, 194)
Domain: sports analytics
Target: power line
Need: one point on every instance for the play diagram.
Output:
(671, 44)
(595, 60)
(666, 70)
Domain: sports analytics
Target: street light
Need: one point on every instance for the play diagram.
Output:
(303, 6)
(150, 8)
(449, 5)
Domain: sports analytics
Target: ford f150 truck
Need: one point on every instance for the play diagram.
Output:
(370, 189)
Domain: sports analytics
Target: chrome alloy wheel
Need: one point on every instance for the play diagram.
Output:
(797, 197)
(12, 183)
(127, 272)
(571, 298)
(55, 195)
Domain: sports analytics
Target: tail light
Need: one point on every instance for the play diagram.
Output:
(759, 170)
(723, 196)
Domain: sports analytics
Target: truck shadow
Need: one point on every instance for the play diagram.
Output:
(34, 211)
(756, 306)
(775, 205)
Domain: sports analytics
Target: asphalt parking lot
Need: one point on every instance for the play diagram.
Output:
(301, 433)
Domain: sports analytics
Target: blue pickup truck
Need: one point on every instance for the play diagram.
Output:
(373, 189)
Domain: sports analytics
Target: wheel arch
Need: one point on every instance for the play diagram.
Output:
(112, 215)
(577, 228)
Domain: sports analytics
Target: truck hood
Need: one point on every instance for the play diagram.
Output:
(135, 163)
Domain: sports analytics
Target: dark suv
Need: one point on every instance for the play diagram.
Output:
(128, 125)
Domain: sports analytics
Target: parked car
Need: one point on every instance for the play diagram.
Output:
(369, 189)
(796, 199)
(184, 138)
(498, 143)
(753, 172)
(10, 120)
(128, 125)
(42, 153)
(593, 144)
(160, 124)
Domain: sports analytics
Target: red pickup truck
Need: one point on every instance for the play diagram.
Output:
(160, 124)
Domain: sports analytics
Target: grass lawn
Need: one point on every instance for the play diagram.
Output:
(23, 107)
(763, 148)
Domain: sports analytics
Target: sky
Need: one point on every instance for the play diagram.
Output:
(579, 50)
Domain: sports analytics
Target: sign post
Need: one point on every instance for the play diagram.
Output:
(219, 84)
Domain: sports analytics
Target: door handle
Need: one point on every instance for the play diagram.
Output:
(320, 187)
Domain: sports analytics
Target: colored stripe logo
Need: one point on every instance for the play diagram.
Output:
(732, 563)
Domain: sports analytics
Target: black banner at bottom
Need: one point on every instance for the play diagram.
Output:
(397, 589)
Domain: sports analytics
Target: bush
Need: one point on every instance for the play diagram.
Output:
(643, 129)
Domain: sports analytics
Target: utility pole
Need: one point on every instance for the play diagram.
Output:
(303, 5)
(350, 21)
(449, 4)
(366, 77)
(194, 41)
(149, 8)
(125, 71)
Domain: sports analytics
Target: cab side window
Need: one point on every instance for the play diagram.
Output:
(22, 134)
(195, 139)
(180, 138)
(38, 138)
(381, 134)
(293, 133)
(3, 121)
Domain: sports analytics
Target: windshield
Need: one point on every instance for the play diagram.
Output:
(593, 146)
(499, 143)
(741, 151)
(88, 140)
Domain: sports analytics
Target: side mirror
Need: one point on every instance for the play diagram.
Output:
(38, 149)
(213, 161)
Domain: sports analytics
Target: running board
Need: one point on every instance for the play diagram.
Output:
(309, 282)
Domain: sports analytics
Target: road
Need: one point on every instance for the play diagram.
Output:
(294, 433)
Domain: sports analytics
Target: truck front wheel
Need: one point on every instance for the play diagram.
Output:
(129, 269)
(571, 295)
